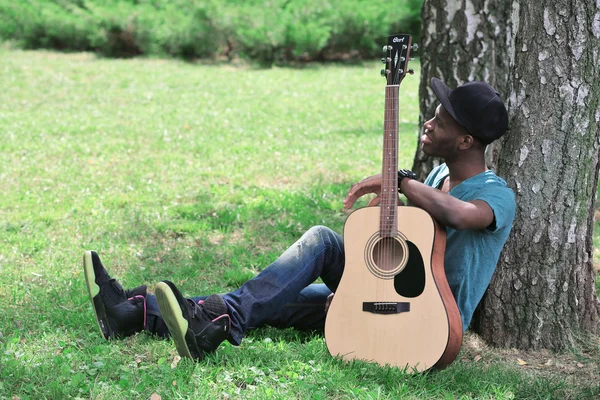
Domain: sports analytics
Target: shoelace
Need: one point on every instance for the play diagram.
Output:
(128, 294)
(203, 313)
(193, 307)
(144, 300)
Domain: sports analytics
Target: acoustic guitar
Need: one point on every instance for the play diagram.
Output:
(393, 305)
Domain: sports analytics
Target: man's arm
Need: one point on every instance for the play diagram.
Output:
(446, 209)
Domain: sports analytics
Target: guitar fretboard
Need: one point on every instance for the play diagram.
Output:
(388, 219)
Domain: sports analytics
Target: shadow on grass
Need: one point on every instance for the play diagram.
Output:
(218, 245)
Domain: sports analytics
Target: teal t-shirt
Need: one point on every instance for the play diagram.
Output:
(471, 255)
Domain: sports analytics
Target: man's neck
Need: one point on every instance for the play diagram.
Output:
(464, 168)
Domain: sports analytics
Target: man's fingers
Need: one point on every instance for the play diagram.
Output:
(352, 196)
(361, 188)
(349, 201)
(374, 202)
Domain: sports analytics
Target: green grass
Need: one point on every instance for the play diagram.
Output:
(201, 174)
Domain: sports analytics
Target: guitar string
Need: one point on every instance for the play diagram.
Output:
(387, 251)
(395, 166)
(389, 245)
(390, 232)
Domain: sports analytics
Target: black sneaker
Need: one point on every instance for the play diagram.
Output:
(196, 328)
(119, 312)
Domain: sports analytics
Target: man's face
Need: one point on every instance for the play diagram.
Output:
(442, 135)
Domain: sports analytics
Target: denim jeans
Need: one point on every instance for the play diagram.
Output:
(283, 295)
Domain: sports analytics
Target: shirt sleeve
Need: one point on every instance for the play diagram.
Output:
(502, 201)
(431, 178)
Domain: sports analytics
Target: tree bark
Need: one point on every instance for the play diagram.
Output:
(462, 42)
(543, 293)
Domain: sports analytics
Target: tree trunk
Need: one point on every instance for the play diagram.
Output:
(543, 293)
(462, 42)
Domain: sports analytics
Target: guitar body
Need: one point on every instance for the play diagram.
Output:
(429, 333)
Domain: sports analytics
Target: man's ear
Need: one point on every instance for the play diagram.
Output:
(466, 142)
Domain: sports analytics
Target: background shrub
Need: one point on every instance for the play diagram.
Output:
(269, 31)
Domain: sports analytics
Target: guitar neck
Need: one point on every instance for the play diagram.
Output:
(389, 185)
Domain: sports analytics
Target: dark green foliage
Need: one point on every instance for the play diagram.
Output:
(59, 25)
(271, 31)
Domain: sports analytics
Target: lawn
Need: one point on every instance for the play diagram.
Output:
(201, 174)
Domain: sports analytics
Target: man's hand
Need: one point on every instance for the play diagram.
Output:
(368, 185)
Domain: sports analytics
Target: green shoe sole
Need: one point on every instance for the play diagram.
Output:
(173, 317)
(93, 291)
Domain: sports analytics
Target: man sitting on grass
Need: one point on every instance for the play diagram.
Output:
(471, 201)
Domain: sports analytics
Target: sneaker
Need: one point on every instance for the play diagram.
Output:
(196, 328)
(119, 312)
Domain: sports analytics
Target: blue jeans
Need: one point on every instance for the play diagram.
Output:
(283, 295)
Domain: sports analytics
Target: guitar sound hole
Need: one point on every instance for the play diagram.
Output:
(388, 254)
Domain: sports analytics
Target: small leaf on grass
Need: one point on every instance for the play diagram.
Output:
(580, 365)
(174, 383)
(155, 396)
(176, 360)
(477, 358)
(522, 362)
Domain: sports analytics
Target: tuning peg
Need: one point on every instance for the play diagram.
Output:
(411, 71)
(415, 47)
(384, 72)
(383, 60)
(386, 48)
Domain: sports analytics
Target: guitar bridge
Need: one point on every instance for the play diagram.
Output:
(385, 307)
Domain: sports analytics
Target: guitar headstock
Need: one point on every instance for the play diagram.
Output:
(397, 55)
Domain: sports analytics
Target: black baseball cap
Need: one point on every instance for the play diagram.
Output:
(476, 106)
